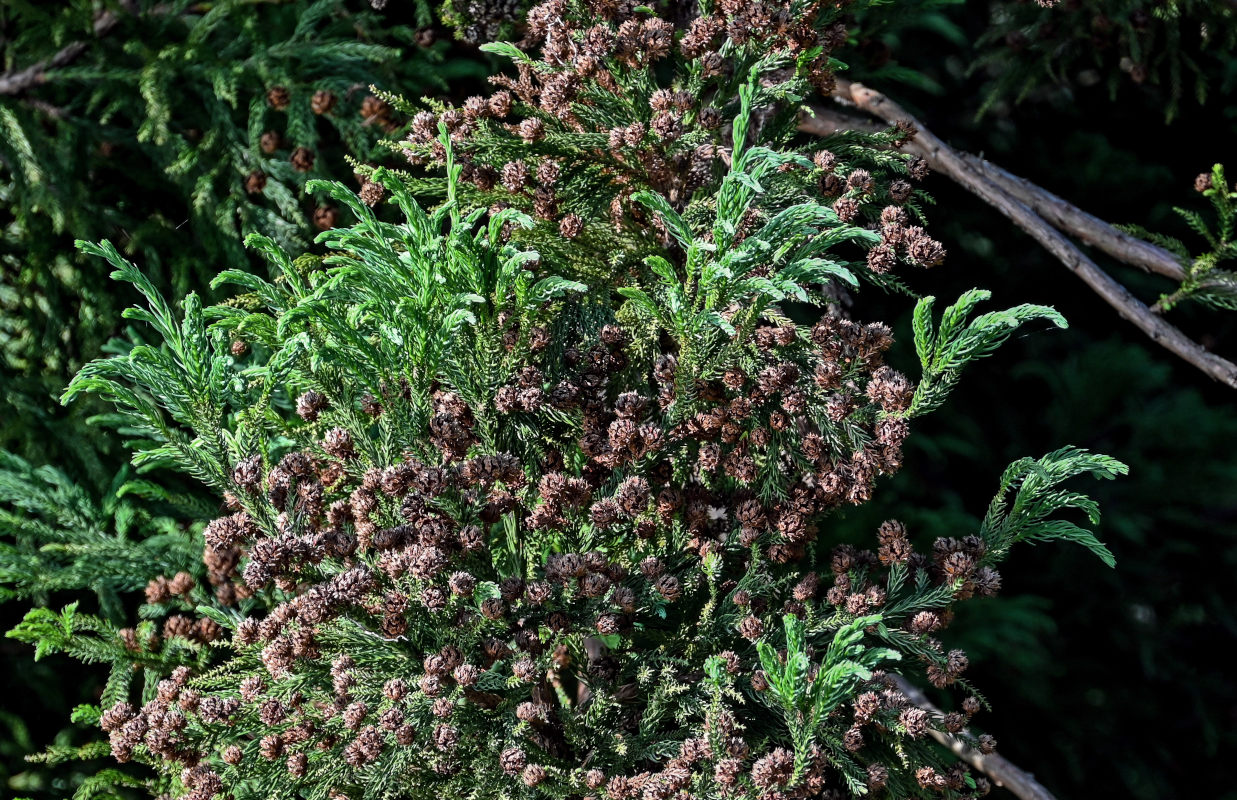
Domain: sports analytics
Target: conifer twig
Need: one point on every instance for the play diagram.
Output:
(1004, 774)
(999, 195)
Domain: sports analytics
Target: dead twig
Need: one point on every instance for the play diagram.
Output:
(1089, 229)
(1019, 201)
(18, 81)
(1061, 214)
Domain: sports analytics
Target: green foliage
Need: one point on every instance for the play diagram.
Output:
(1036, 497)
(945, 350)
(725, 288)
(157, 130)
(1207, 280)
(48, 631)
(57, 538)
(577, 151)
(199, 408)
(804, 700)
(192, 385)
(105, 783)
(93, 640)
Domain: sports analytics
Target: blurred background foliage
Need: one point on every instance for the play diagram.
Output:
(1106, 683)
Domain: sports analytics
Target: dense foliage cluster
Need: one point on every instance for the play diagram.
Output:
(516, 547)
(533, 477)
(619, 99)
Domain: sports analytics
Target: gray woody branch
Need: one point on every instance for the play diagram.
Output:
(1041, 214)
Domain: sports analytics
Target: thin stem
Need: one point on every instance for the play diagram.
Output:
(1003, 773)
(957, 167)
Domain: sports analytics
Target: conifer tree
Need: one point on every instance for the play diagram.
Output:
(528, 490)
(474, 541)
(529, 464)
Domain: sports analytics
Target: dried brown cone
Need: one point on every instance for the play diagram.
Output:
(372, 193)
(279, 97)
(255, 182)
(270, 142)
(325, 217)
(302, 159)
(375, 110)
(571, 226)
(323, 101)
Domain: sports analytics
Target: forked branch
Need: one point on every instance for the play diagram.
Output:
(1041, 214)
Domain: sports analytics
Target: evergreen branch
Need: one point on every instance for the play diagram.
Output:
(804, 702)
(58, 537)
(1205, 281)
(1036, 498)
(944, 352)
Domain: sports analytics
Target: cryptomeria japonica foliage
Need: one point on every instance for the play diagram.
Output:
(528, 480)
(150, 123)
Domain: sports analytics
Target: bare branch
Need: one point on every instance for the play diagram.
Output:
(1090, 229)
(19, 81)
(1058, 212)
(827, 120)
(996, 767)
(980, 182)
